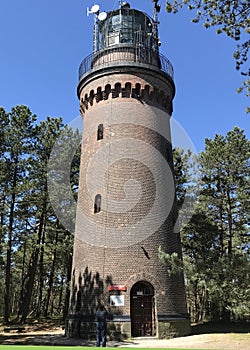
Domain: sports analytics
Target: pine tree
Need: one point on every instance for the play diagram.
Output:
(19, 133)
(216, 239)
(35, 247)
(3, 189)
(37, 202)
(224, 197)
(228, 17)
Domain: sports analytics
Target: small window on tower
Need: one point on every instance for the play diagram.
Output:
(100, 132)
(97, 205)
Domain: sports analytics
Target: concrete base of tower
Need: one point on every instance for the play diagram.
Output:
(120, 329)
(172, 328)
(77, 326)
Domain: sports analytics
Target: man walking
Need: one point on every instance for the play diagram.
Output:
(101, 326)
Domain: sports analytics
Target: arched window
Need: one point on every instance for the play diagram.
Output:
(146, 91)
(126, 92)
(99, 96)
(136, 92)
(116, 90)
(107, 91)
(138, 88)
(91, 97)
(86, 100)
(100, 132)
(97, 205)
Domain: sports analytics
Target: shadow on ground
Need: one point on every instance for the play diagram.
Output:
(54, 340)
(221, 327)
(48, 337)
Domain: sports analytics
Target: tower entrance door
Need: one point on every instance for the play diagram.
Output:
(142, 309)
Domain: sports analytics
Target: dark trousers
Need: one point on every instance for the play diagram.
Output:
(101, 333)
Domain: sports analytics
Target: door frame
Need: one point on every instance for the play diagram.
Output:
(142, 309)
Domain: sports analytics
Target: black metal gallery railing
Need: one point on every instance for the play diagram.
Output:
(128, 55)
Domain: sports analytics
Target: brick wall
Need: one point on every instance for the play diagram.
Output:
(131, 168)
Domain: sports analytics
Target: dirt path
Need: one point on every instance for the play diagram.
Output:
(201, 341)
(218, 341)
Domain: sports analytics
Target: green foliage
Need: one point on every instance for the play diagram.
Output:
(172, 261)
(229, 17)
(225, 188)
(215, 240)
(186, 175)
(35, 250)
(181, 171)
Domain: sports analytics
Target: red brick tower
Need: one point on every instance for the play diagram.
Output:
(126, 202)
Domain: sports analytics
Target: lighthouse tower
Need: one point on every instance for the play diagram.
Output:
(126, 207)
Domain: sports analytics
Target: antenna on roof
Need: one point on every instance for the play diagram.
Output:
(157, 9)
(95, 10)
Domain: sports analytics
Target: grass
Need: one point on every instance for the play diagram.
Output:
(41, 347)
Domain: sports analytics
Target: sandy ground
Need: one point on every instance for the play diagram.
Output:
(219, 341)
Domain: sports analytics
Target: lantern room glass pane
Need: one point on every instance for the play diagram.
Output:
(124, 27)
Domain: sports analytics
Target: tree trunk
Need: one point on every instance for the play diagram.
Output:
(230, 225)
(51, 277)
(9, 247)
(220, 224)
(41, 273)
(22, 277)
(61, 293)
(7, 279)
(32, 273)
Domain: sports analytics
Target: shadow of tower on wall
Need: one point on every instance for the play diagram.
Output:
(85, 296)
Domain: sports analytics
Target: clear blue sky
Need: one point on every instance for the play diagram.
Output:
(43, 42)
